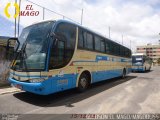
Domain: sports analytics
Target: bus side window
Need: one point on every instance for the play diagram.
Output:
(97, 43)
(61, 48)
(57, 54)
(122, 51)
(118, 50)
(80, 39)
(126, 52)
(88, 38)
(107, 47)
(112, 48)
(62, 51)
(102, 46)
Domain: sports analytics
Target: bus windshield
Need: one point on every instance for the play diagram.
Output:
(137, 60)
(34, 49)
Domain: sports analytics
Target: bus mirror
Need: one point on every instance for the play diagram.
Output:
(55, 35)
(12, 43)
(12, 47)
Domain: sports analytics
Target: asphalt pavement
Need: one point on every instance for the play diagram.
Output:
(137, 93)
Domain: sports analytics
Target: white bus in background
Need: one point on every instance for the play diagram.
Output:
(141, 62)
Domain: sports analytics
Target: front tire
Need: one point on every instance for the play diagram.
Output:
(83, 83)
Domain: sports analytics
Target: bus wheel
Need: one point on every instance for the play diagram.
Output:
(83, 82)
(124, 73)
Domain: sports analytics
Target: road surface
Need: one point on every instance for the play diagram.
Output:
(137, 93)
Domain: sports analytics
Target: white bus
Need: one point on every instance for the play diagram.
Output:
(141, 62)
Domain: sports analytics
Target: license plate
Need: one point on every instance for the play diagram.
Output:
(18, 86)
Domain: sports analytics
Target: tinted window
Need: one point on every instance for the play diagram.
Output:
(126, 52)
(136, 59)
(80, 39)
(114, 49)
(107, 47)
(56, 57)
(97, 43)
(102, 46)
(88, 40)
(111, 48)
(123, 51)
(130, 53)
(63, 49)
(117, 49)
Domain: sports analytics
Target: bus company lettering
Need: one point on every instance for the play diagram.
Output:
(29, 11)
(64, 81)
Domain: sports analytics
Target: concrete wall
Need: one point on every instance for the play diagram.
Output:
(4, 67)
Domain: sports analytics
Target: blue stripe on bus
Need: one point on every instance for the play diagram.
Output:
(102, 58)
(123, 60)
(84, 61)
(67, 81)
(105, 58)
(103, 75)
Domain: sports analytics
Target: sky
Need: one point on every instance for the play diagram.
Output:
(138, 21)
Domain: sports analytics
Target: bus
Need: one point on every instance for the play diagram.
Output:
(141, 62)
(60, 55)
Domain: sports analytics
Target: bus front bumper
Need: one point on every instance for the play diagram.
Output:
(37, 88)
(138, 69)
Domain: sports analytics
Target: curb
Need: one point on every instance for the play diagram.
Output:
(9, 90)
(2, 86)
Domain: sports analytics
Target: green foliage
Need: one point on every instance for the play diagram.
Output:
(158, 61)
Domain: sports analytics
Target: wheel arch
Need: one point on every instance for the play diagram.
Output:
(84, 71)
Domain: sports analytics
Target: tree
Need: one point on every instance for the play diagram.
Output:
(158, 61)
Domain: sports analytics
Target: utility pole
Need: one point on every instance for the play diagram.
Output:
(109, 31)
(130, 44)
(122, 39)
(82, 16)
(43, 12)
(159, 40)
(19, 16)
(15, 23)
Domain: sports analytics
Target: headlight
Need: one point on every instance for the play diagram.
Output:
(35, 80)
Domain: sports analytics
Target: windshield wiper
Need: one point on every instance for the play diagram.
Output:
(24, 55)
